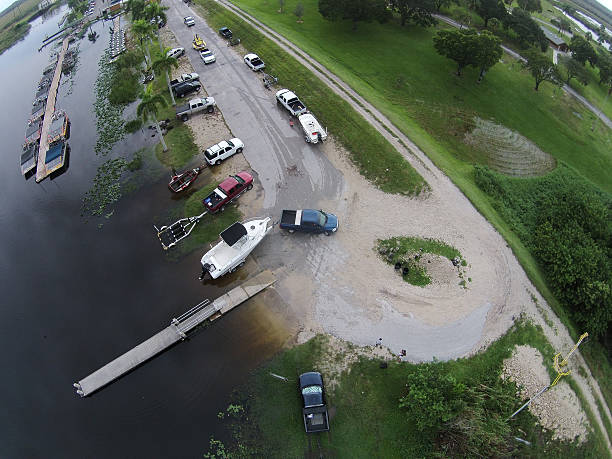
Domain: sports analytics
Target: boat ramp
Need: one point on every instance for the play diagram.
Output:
(177, 330)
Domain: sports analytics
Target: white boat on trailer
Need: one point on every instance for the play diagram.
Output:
(237, 242)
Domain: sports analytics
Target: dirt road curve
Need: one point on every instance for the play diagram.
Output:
(338, 284)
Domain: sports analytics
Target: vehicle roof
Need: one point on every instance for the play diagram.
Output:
(206, 51)
(188, 17)
(228, 183)
(310, 215)
(312, 378)
(288, 94)
(252, 56)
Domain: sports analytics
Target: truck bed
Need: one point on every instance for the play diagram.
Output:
(288, 217)
(214, 199)
(315, 419)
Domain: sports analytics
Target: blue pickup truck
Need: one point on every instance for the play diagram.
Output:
(309, 221)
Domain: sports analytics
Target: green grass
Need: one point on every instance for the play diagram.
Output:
(415, 88)
(403, 250)
(365, 418)
(373, 155)
(181, 147)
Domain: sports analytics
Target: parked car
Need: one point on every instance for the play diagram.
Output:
(194, 106)
(314, 409)
(182, 89)
(290, 101)
(198, 43)
(223, 150)
(183, 78)
(254, 62)
(309, 221)
(175, 52)
(207, 56)
(225, 32)
(227, 191)
(189, 21)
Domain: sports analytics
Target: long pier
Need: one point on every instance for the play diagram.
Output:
(176, 331)
(42, 171)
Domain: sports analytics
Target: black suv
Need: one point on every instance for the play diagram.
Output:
(187, 87)
(225, 32)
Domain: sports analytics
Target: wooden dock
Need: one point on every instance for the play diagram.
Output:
(176, 331)
(42, 171)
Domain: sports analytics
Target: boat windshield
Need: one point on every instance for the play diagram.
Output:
(322, 218)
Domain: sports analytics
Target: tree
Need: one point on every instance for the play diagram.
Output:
(156, 12)
(574, 69)
(527, 30)
(564, 24)
(494, 24)
(582, 50)
(541, 68)
(568, 9)
(458, 45)
(604, 62)
(530, 5)
(136, 7)
(417, 11)
(299, 11)
(148, 108)
(165, 64)
(438, 4)
(488, 52)
(143, 30)
(488, 9)
(354, 10)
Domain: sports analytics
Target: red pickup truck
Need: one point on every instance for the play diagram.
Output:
(228, 190)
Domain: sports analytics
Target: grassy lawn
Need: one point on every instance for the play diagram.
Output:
(375, 158)
(365, 418)
(398, 70)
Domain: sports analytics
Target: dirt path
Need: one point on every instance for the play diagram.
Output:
(338, 285)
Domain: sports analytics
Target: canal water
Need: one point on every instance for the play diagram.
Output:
(75, 296)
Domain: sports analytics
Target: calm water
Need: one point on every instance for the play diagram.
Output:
(75, 296)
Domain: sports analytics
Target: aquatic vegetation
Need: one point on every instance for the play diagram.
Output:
(109, 121)
(106, 189)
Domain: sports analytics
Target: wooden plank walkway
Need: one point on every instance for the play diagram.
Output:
(41, 170)
(170, 335)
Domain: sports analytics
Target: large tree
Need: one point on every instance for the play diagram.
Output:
(574, 69)
(542, 68)
(355, 10)
(417, 11)
(530, 5)
(149, 107)
(458, 45)
(143, 31)
(136, 7)
(440, 3)
(527, 30)
(156, 12)
(488, 9)
(604, 62)
(582, 50)
(164, 64)
(488, 52)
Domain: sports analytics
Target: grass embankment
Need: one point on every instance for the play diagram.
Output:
(372, 154)
(398, 70)
(366, 420)
(15, 23)
(408, 250)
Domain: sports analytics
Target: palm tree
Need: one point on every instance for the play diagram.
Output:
(143, 30)
(136, 7)
(148, 108)
(155, 11)
(165, 64)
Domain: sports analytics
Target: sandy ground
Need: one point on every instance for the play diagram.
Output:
(340, 286)
(557, 409)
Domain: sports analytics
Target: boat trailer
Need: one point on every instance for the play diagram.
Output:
(179, 230)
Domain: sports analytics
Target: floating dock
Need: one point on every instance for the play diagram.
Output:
(176, 331)
(44, 168)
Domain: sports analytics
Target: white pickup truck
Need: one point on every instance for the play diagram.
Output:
(183, 112)
(290, 101)
(184, 77)
(313, 131)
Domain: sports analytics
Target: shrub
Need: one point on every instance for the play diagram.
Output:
(133, 125)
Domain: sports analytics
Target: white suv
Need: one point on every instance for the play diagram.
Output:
(189, 21)
(223, 150)
(175, 52)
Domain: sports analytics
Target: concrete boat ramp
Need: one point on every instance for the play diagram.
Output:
(176, 331)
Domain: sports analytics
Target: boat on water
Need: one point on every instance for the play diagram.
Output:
(236, 243)
(29, 156)
(56, 154)
(179, 182)
(59, 128)
(32, 133)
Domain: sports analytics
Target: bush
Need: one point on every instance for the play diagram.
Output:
(125, 87)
